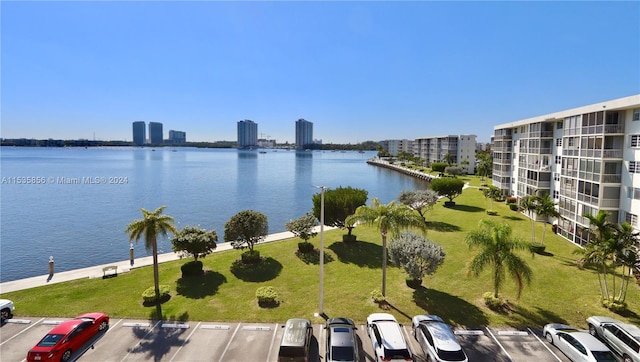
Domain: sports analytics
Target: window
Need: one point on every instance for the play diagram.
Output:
(635, 140)
(558, 142)
(558, 160)
(559, 125)
(634, 167)
(630, 218)
(556, 194)
(636, 114)
(633, 193)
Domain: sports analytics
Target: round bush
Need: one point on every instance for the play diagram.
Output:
(267, 296)
(251, 257)
(192, 268)
(149, 295)
(377, 296)
(305, 247)
(494, 303)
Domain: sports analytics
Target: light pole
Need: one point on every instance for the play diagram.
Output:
(321, 287)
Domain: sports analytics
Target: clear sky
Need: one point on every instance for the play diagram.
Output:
(358, 70)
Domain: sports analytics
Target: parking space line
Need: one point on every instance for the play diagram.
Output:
(229, 343)
(215, 326)
(545, 345)
(467, 332)
(499, 344)
(273, 337)
(185, 341)
(18, 321)
(22, 331)
(141, 339)
(51, 322)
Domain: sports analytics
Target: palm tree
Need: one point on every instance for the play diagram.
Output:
(546, 208)
(529, 204)
(497, 248)
(599, 248)
(152, 224)
(626, 255)
(390, 218)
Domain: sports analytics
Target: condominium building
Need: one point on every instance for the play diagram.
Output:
(461, 148)
(247, 134)
(304, 134)
(394, 147)
(177, 136)
(139, 133)
(586, 158)
(155, 133)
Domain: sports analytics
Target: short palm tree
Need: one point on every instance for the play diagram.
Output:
(390, 218)
(529, 204)
(497, 250)
(546, 208)
(152, 224)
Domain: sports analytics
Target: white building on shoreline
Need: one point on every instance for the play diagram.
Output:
(586, 158)
(461, 147)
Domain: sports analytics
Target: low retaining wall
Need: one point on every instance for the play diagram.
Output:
(412, 173)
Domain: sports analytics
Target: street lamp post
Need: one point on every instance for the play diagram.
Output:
(321, 287)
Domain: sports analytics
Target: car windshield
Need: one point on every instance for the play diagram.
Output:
(342, 353)
(604, 356)
(396, 353)
(451, 355)
(50, 340)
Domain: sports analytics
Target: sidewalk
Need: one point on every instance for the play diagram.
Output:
(122, 267)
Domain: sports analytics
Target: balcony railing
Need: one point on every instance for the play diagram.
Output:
(612, 178)
(611, 203)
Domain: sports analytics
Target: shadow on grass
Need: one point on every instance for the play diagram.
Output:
(442, 226)
(467, 208)
(361, 253)
(156, 343)
(200, 286)
(313, 257)
(513, 218)
(454, 310)
(267, 269)
(520, 317)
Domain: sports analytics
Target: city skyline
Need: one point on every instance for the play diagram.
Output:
(360, 70)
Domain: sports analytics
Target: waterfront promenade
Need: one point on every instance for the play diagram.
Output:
(122, 267)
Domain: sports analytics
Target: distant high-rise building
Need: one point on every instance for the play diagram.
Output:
(247, 134)
(139, 133)
(155, 133)
(177, 136)
(304, 134)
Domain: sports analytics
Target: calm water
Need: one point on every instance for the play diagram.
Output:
(82, 224)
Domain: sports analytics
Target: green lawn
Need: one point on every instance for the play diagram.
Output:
(560, 292)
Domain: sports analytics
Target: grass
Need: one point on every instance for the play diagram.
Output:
(560, 292)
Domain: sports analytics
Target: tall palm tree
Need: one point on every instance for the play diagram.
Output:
(152, 224)
(600, 247)
(529, 204)
(390, 218)
(497, 250)
(546, 208)
(626, 255)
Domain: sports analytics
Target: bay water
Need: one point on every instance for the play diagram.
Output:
(75, 203)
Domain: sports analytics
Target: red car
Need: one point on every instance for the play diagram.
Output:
(68, 337)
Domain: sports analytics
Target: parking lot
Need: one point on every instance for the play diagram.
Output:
(140, 340)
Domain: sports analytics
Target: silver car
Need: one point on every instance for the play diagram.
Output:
(621, 337)
(578, 345)
(341, 340)
(6, 309)
(437, 340)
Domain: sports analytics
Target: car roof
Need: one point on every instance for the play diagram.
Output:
(589, 341)
(376, 317)
(562, 327)
(342, 336)
(391, 334)
(629, 328)
(443, 335)
(66, 326)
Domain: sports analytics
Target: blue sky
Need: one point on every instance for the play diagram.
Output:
(358, 70)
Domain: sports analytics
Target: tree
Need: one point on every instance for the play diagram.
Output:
(391, 218)
(195, 241)
(599, 248)
(152, 224)
(485, 166)
(627, 256)
(419, 200)
(493, 193)
(302, 227)
(339, 203)
(417, 255)
(447, 187)
(449, 159)
(453, 170)
(530, 204)
(546, 208)
(439, 166)
(245, 229)
(497, 250)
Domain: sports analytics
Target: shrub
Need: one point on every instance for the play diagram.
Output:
(511, 200)
(492, 212)
(494, 303)
(250, 257)
(615, 306)
(305, 247)
(192, 268)
(377, 296)
(349, 238)
(267, 296)
(439, 166)
(149, 295)
(514, 207)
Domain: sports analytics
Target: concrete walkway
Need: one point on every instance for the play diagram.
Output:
(122, 267)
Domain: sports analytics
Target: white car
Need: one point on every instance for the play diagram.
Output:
(6, 309)
(436, 339)
(387, 338)
(578, 345)
(623, 338)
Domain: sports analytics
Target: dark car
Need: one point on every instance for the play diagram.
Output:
(68, 337)
(341, 340)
